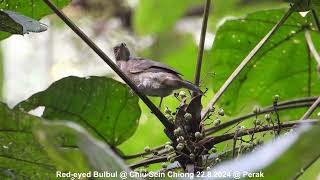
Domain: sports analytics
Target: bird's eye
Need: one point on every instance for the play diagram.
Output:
(116, 49)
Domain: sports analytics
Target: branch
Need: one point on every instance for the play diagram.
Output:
(167, 124)
(316, 18)
(133, 156)
(201, 44)
(311, 46)
(247, 59)
(303, 102)
(311, 109)
(209, 142)
(148, 161)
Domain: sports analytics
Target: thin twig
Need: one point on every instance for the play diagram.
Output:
(201, 43)
(316, 19)
(247, 59)
(210, 141)
(311, 109)
(275, 110)
(168, 125)
(148, 161)
(305, 102)
(133, 156)
(311, 46)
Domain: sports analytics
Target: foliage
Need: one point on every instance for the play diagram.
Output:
(35, 9)
(102, 105)
(15, 23)
(89, 124)
(282, 66)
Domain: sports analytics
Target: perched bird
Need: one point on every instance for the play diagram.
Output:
(151, 77)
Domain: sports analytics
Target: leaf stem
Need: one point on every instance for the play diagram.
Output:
(311, 109)
(311, 46)
(316, 18)
(167, 124)
(247, 60)
(201, 43)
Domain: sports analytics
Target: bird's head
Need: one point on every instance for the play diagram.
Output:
(121, 52)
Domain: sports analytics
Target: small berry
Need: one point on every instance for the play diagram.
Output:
(192, 156)
(216, 122)
(188, 116)
(178, 131)
(167, 147)
(197, 135)
(182, 94)
(275, 98)
(257, 122)
(180, 147)
(147, 149)
(218, 160)
(256, 110)
(267, 117)
(164, 165)
(221, 112)
(167, 110)
(180, 139)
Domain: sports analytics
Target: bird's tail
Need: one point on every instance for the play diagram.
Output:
(189, 85)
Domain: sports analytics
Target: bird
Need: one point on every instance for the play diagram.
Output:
(151, 77)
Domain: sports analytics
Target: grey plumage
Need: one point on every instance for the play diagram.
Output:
(152, 78)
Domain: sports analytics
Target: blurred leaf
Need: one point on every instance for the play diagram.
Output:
(281, 67)
(292, 151)
(35, 9)
(102, 105)
(15, 23)
(21, 156)
(99, 155)
(153, 16)
(236, 8)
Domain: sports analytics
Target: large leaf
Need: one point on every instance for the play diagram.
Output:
(237, 8)
(281, 67)
(102, 105)
(21, 156)
(293, 151)
(99, 155)
(153, 16)
(15, 23)
(35, 9)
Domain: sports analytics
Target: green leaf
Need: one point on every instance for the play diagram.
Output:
(102, 105)
(99, 155)
(302, 152)
(281, 67)
(15, 23)
(153, 16)
(236, 8)
(35, 9)
(21, 156)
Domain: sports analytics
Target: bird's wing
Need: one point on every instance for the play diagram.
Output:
(141, 65)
